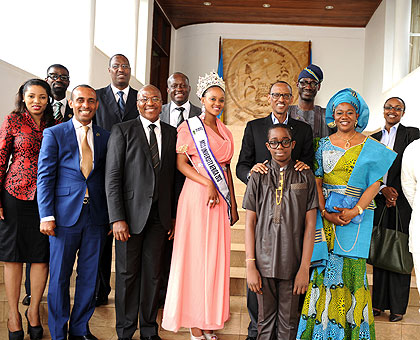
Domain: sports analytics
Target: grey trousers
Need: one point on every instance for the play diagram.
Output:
(278, 314)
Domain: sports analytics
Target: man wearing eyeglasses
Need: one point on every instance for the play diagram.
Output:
(254, 156)
(139, 179)
(308, 85)
(59, 80)
(180, 108)
(117, 103)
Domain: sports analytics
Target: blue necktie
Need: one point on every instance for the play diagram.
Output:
(121, 103)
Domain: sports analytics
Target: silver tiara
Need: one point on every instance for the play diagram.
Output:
(209, 80)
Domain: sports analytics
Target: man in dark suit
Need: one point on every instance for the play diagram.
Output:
(254, 154)
(140, 170)
(180, 108)
(391, 290)
(117, 103)
(73, 211)
(59, 80)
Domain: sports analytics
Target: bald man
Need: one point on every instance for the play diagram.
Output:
(139, 179)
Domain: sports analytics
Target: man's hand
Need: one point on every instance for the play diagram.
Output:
(171, 232)
(260, 167)
(253, 278)
(299, 166)
(47, 228)
(121, 231)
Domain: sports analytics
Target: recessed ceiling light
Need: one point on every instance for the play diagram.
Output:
(207, 3)
(329, 7)
(266, 5)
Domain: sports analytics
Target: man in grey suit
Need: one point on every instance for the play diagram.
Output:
(140, 168)
(180, 108)
(117, 103)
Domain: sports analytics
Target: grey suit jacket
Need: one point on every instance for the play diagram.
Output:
(164, 115)
(108, 113)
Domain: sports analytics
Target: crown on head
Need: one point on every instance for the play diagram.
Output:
(209, 80)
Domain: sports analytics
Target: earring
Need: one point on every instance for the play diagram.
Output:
(332, 124)
(355, 123)
(203, 109)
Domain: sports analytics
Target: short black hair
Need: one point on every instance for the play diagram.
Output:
(57, 66)
(180, 74)
(282, 82)
(85, 86)
(402, 101)
(117, 55)
(281, 126)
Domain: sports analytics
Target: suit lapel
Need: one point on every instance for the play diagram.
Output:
(131, 101)
(74, 147)
(400, 139)
(112, 103)
(97, 140)
(163, 152)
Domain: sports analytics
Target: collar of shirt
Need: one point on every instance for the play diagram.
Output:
(174, 113)
(117, 96)
(62, 101)
(388, 138)
(276, 121)
(158, 131)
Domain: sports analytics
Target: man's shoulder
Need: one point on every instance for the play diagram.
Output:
(102, 90)
(259, 121)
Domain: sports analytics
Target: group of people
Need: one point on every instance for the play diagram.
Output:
(116, 163)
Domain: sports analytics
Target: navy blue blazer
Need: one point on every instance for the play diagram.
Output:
(61, 186)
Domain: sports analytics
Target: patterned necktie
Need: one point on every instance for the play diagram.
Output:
(154, 150)
(181, 115)
(87, 159)
(57, 111)
(121, 103)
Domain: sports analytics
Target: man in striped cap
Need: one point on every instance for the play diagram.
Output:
(308, 85)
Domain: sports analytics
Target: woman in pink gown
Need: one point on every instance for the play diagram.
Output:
(198, 288)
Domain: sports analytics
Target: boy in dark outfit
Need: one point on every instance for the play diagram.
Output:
(279, 236)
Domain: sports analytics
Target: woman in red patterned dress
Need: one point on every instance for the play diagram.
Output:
(20, 238)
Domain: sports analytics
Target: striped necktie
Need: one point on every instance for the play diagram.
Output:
(57, 111)
(154, 151)
(121, 103)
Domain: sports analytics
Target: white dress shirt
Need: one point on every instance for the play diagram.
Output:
(174, 113)
(276, 121)
(117, 96)
(158, 132)
(388, 139)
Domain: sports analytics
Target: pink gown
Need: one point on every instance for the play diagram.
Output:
(198, 287)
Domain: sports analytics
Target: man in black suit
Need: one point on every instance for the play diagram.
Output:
(139, 179)
(391, 290)
(254, 155)
(117, 103)
(180, 108)
(59, 80)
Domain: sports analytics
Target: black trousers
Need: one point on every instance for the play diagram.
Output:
(138, 270)
(390, 291)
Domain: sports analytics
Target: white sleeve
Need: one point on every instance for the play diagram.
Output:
(408, 176)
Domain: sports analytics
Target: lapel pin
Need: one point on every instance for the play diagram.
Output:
(70, 115)
(98, 134)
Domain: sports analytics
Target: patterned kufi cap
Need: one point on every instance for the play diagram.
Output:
(209, 80)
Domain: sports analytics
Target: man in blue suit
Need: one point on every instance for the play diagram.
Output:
(73, 211)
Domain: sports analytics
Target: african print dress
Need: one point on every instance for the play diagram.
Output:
(338, 304)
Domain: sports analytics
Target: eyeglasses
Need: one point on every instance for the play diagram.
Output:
(178, 86)
(123, 66)
(286, 96)
(311, 84)
(274, 144)
(398, 109)
(55, 76)
(144, 100)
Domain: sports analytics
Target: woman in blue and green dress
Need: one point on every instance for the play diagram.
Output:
(348, 167)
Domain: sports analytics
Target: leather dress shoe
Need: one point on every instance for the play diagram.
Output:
(101, 300)
(376, 312)
(89, 336)
(153, 337)
(251, 338)
(395, 317)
